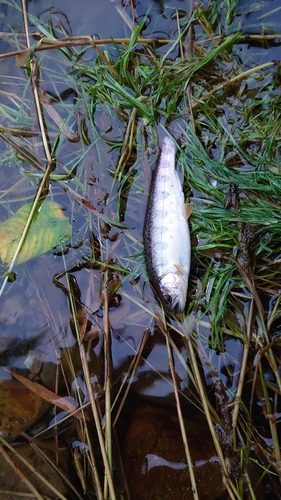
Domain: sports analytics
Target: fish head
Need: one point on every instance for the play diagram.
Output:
(173, 290)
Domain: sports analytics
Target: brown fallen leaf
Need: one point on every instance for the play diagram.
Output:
(23, 57)
(46, 394)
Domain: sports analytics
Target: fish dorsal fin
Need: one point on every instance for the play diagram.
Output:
(187, 210)
(180, 269)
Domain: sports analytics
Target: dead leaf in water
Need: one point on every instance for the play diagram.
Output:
(46, 231)
(23, 57)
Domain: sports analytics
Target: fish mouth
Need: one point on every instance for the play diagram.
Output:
(172, 293)
(178, 307)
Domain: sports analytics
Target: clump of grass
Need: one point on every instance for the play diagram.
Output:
(226, 115)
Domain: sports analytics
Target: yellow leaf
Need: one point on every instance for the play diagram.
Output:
(48, 228)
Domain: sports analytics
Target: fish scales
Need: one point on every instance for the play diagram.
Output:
(166, 233)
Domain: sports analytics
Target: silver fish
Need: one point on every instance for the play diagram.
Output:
(166, 232)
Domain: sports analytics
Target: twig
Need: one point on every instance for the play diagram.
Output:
(89, 386)
(53, 44)
(243, 366)
(204, 400)
(132, 368)
(80, 41)
(180, 416)
(107, 376)
(47, 459)
(31, 468)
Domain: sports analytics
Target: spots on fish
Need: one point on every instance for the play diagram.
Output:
(165, 194)
(165, 163)
(160, 245)
(159, 230)
(158, 212)
(167, 157)
(168, 148)
(165, 178)
(163, 264)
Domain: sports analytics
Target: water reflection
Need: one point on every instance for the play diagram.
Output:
(152, 460)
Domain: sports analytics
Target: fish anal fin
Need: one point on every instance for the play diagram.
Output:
(187, 210)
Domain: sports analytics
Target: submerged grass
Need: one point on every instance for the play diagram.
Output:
(223, 109)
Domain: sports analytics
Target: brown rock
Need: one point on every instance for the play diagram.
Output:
(19, 408)
(155, 462)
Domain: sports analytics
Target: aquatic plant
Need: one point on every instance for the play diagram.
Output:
(81, 125)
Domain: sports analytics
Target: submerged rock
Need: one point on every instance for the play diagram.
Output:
(155, 461)
(13, 483)
(19, 409)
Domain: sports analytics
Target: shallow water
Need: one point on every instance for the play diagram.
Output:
(106, 214)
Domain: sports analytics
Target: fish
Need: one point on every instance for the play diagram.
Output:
(166, 232)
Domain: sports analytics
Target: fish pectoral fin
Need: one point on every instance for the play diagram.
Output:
(180, 269)
(187, 210)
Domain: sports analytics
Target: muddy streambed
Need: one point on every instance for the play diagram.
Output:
(102, 395)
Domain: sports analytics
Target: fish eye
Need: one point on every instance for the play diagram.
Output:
(167, 300)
